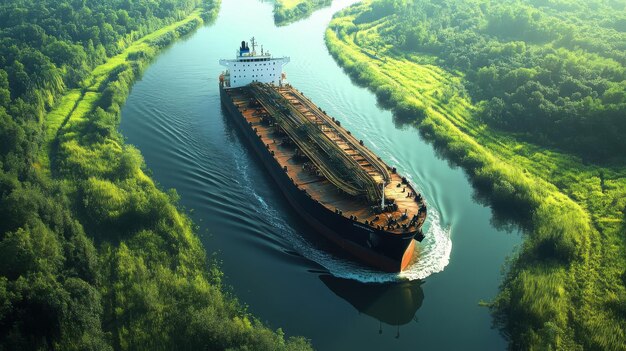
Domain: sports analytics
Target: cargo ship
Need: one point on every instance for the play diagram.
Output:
(338, 186)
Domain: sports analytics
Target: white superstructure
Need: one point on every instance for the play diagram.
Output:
(249, 67)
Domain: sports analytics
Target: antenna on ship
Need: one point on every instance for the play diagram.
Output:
(261, 50)
(253, 45)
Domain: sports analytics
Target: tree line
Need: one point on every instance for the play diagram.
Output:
(565, 286)
(286, 12)
(93, 255)
(550, 71)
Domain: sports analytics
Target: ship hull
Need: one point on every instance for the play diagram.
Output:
(390, 252)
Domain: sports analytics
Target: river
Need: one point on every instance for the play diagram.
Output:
(287, 276)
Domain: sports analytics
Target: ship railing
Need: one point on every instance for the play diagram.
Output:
(294, 129)
(337, 166)
(368, 155)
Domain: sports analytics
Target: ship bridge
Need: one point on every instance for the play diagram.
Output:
(248, 66)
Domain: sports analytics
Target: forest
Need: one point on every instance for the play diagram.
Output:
(529, 98)
(551, 71)
(287, 11)
(93, 254)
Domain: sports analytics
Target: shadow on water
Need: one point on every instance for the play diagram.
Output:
(394, 304)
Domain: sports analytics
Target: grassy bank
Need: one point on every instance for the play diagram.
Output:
(288, 11)
(153, 286)
(76, 103)
(564, 289)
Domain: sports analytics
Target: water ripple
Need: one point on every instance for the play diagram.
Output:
(433, 253)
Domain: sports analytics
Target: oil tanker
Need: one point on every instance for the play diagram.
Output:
(338, 186)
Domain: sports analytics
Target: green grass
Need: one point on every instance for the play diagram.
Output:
(75, 104)
(574, 210)
(288, 11)
(57, 117)
(85, 105)
(144, 239)
(54, 120)
(288, 4)
(100, 73)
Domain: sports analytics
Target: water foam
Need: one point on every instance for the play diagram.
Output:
(433, 253)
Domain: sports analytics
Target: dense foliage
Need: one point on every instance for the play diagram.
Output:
(92, 254)
(565, 287)
(287, 11)
(553, 71)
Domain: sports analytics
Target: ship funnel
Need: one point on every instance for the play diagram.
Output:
(244, 48)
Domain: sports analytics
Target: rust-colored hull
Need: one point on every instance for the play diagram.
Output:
(370, 244)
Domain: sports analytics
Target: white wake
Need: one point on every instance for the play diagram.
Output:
(433, 253)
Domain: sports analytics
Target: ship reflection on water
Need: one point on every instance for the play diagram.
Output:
(390, 303)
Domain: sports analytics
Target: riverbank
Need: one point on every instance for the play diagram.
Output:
(75, 103)
(288, 11)
(555, 290)
(158, 288)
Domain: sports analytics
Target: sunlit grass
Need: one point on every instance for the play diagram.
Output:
(54, 121)
(57, 117)
(287, 11)
(575, 208)
(74, 106)
(86, 105)
(100, 73)
(288, 4)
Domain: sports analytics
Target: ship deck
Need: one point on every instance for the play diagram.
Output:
(308, 176)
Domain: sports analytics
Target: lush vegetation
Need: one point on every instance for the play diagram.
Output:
(287, 11)
(552, 71)
(504, 88)
(93, 255)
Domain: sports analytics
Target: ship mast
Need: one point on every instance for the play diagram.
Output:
(253, 46)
